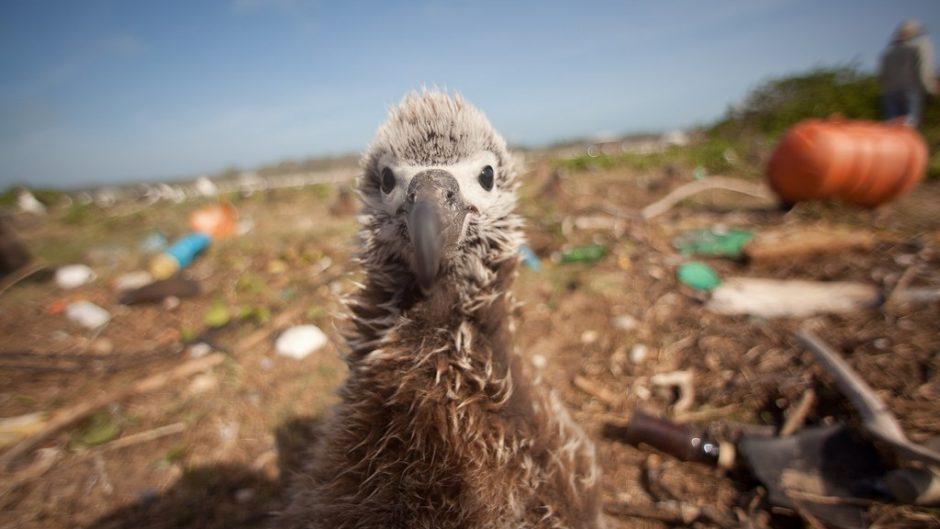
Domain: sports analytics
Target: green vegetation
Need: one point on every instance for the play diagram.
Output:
(766, 113)
(846, 91)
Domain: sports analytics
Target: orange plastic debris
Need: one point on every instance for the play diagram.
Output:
(217, 221)
(865, 163)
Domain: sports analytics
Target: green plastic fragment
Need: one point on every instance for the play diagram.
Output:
(698, 275)
(584, 254)
(713, 243)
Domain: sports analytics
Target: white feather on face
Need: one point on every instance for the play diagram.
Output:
(433, 130)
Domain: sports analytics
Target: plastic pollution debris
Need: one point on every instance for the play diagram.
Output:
(677, 440)
(244, 226)
(206, 187)
(638, 353)
(217, 221)
(133, 280)
(174, 287)
(773, 298)
(698, 275)
(73, 276)
(300, 341)
(865, 163)
(529, 258)
(584, 254)
(153, 242)
(625, 322)
(713, 242)
(199, 350)
(218, 315)
(28, 203)
(87, 314)
(179, 256)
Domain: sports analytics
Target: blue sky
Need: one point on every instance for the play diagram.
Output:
(113, 91)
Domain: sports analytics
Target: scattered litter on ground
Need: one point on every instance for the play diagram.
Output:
(300, 341)
(713, 182)
(154, 242)
(715, 242)
(73, 276)
(158, 291)
(217, 221)
(87, 314)
(698, 275)
(133, 280)
(529, 258)
(795, 243)
(583, 254)
(638, 353)
(179, 256)
(774, 298)
(677, 440)
(199, 350)
(625, 322)
(681, 380)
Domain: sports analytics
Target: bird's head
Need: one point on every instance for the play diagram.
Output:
(438, 188)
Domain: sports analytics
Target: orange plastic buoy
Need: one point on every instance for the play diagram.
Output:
(865, 163)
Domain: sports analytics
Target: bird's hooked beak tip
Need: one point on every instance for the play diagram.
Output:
(424, 226)
(436, 213)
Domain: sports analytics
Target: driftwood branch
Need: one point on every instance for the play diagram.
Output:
(72, 414)
(797, 416)
(692, 188)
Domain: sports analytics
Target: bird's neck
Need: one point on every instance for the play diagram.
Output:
(475, 290)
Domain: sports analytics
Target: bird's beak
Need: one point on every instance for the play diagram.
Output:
(435, 218)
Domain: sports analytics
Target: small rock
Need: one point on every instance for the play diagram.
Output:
(638, 353)
(132, 280)
(642, 392)
(265, 363)
(881, 343)
(73, 276)
(299, 341)
(87, 314)
(625, 322)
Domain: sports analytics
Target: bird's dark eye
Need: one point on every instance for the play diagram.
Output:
(486, 178)
(388, 180)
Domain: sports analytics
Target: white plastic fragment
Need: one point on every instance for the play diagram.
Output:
(299, 341)
(199, 350)
(29, 204)
(638, 353)
(87, 314)
(772, 298)
(73, 276)
(133, 280)
(625, 322)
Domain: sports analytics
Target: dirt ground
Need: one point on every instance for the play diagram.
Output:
(238, 429)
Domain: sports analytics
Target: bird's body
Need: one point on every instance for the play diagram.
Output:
(440, 423)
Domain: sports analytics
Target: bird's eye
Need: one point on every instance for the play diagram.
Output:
(388, 180)
(486, 177)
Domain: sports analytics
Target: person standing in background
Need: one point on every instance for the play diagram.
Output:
(906, 73)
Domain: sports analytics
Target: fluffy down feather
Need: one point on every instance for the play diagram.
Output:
(441, 424)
